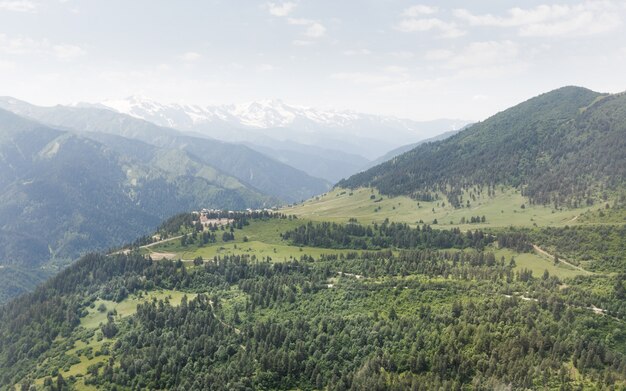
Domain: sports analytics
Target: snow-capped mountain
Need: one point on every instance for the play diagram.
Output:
(262, 114)
(271, 122)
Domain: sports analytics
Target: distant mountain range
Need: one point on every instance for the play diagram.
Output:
(86, 177)
(291, 133)
(62, 193)
(565, 147)
(253, 168)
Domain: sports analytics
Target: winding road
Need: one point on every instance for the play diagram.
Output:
(562, 260)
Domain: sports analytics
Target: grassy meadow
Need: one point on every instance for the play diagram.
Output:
(367, 205)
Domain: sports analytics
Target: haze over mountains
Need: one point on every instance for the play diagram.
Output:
(324, 143)
(137, 319)
(83, 170)
(273, 120)
(92, 168)
(63, 193)
(254, 168)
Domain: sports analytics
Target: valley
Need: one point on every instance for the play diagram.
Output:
(411, 280)
(302, 195)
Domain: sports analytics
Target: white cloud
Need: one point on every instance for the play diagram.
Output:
(438, 54)
(18, 5)
(396, 69)
(485, 54)
(357, 52)
(314, 29)
(67, 52)
(403, 54)
(447, 29)
(418, 10)
(6, 65)
(363, 77)
(18, 45)
(389, 74)
(29, 46)
(265, 68)
(302, 42)
(190, 56)
(587, 18)
(281, 9)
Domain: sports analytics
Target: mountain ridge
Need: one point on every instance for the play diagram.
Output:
(249, 166)
(274, 120)
(62, 193)
(558, 147)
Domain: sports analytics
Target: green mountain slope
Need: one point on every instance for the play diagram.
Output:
(62, 194)
(562, 147)
(384, 307)
(247, 165)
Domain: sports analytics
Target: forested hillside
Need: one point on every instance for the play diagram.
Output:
(565, 147)
(62, 194)
(250, 167)
(449, 312)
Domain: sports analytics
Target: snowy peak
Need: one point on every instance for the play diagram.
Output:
(261, 114)
(265, 122)
(172, 115)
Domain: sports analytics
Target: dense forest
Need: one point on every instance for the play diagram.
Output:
(381, 236)
(446, 315)
(566, 148)
(598, 248)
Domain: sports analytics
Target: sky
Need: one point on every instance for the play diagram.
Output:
(412, 59)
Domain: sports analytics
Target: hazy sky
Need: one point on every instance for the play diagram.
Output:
(421, 60)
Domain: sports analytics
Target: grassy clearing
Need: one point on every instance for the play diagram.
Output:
(263, 241)
(92, 322)
(502, 210)
(537, 264)
(128, 306)
(277, 252)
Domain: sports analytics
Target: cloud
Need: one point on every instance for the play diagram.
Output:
(191, 56)
(418, 10)
(67, 52)
(302, 42)
(18, 5)
(29, 46)
(281, 9)
(388, 75)
(447, 29)
(438, 54)
(314, 29)
(363, 77)
(487, 60)
(418, 18)
(483, 59)
(403, 54)
(7, 65)
(484, 54)
(357, 52)
(265, 68)
(587, 18)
